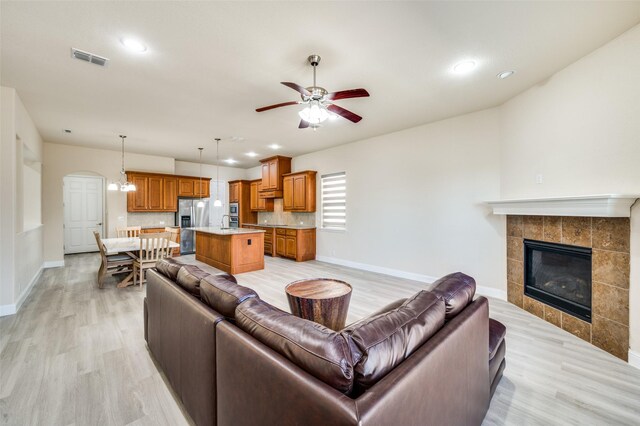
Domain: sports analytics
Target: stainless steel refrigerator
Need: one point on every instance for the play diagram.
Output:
(189, 215)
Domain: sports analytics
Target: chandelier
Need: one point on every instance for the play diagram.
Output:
(123, 184)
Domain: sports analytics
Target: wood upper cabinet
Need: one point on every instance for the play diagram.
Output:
(157, 192)
(204, 190)
(272, 170)
(170, 190)
(234, 192)
(259, 204)
(299, 192)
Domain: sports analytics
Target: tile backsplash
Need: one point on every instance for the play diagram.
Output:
(280, 217)
(151, 219)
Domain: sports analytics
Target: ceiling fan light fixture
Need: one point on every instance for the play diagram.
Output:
(314, 113)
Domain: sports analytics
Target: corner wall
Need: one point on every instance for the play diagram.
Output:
(580, 130)
(21, 251)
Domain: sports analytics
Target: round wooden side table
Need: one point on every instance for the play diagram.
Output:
(322, 300)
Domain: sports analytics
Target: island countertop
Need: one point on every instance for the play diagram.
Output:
(268, 225)
(219, 231)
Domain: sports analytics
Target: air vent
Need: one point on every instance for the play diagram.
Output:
(88, 57)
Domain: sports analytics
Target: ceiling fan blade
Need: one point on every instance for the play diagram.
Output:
(345, 94)
(344, 113)
(297, 88)
(303, 124)
(276, 106)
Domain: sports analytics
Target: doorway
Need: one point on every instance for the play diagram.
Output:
(83, 198)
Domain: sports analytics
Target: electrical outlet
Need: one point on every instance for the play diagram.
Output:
(539, 178)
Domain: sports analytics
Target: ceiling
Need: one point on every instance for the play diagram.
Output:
(210, 64)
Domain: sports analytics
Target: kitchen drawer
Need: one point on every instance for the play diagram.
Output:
(281, 231)
(270, 194)
(268, 248)
(268, 237)
(292, 232)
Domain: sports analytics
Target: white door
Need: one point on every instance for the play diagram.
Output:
(83, 198)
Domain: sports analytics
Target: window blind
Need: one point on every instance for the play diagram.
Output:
(334, 201)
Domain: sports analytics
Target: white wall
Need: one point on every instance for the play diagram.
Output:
(21, 251)
(62, 160)
(580, 129)
(415, 200)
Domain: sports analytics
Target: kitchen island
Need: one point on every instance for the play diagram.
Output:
(234, 251)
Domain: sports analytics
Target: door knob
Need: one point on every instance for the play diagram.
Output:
(99, 223)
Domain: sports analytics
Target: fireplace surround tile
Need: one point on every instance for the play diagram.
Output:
(609, 238)
(552, 229)
(612, 233)
(611, 336)
(576, 231)
(534, 307)
(553, 316)
(576, 327)
(611, 268)
(532, 227)
(514, 226)
(611, 302)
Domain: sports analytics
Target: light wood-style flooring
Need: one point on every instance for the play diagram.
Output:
(76, 355)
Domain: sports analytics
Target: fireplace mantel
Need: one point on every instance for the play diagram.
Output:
(607, 205)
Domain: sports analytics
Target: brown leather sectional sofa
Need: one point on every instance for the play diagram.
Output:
(233, 359)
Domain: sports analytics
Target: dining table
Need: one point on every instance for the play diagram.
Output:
(130, 246)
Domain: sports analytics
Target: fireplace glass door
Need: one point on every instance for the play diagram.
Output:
(559, 275)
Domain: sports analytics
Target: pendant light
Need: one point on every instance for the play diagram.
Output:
(217, 202)
(123, 184)
(200, 203)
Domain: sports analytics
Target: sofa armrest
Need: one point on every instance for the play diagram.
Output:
(446, 381)
(256, 385)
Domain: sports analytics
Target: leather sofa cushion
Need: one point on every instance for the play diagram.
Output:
(314, 348)
(391, 306)
(457, 290)
(169, 267)
(381, 342)
(497, 331)
(222, 293)
(189, 277)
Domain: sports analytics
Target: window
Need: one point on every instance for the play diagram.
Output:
(334, 201)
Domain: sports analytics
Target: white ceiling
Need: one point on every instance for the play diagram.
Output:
(210, 64)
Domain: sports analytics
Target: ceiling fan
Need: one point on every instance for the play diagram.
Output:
(318, 101)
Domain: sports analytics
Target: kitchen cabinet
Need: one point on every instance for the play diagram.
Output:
(234, 192)
(259, 204)
(269, 238)
(298, 244)
(192, 187)
(243, 198)
(299, 191)
(156, 192)
(273, 168)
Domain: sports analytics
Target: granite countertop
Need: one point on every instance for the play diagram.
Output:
(268, 225)
(220, 231)
(158, 226)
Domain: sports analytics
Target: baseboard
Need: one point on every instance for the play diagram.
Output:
(378, 269)
(634, 358)
(13, 308)
(491, 292)
(484, 291)
(53, 264)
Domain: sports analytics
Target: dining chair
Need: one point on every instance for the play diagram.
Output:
(175, 233)
(111, 264)
(153, 247)
(128, 231)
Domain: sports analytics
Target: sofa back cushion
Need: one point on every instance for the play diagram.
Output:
(381, 342)
(222, 293)
(189, 277)
(315, 348)
(457, 290)
(169, 267)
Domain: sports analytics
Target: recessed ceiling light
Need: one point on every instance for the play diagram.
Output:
(230, 161)
(252, 154)
(506, 74)
(464, 67)
(274, 146)
(134, 45)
